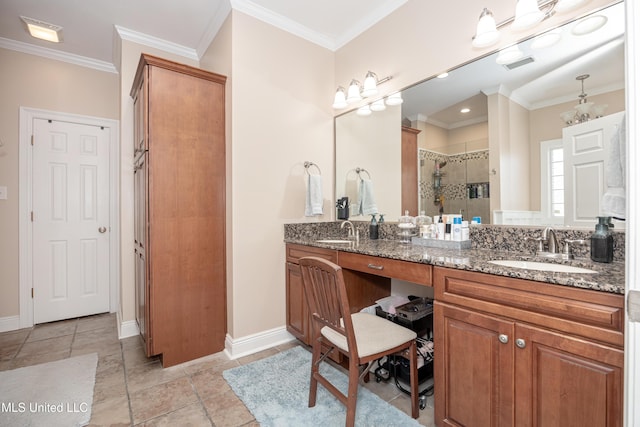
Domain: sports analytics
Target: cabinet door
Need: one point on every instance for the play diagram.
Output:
(297, 311)
(566, 381)
(473, 364)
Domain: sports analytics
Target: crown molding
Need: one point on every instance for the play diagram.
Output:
(214, 26)
(57, 55)
(147, 40)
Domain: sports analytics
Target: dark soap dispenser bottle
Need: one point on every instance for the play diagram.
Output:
(373, 228)
(602, 241)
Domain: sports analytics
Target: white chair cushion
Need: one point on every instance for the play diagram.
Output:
(373, 334)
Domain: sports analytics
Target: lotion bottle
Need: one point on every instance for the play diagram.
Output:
(602, 241)
(373, 228)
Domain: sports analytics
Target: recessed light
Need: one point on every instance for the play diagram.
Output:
(443, 75)
(465, 110)
(546, 39)
(589, 25)
(43, 30)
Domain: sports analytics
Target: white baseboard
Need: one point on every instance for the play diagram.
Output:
(239, 347)
(10, 323)
(127, 329)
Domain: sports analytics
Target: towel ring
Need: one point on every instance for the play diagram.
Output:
(307, 165)
(358, 170)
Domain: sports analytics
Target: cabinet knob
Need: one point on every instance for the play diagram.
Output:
(503, 338)
(520, 343)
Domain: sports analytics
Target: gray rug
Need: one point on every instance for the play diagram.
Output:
(276, 391)
(50, 394)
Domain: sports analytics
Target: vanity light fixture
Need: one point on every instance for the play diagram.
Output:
(364, 111)
(43, 30)
(509, 55)
(356, 92)
(588, 25)
(528, 14)
(547, 39)
(394, 99)
(378, 105)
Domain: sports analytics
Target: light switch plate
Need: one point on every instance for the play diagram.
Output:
(3, 193)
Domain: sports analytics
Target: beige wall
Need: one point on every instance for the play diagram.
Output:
(36, 82)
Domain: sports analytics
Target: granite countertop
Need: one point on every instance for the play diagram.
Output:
(609, 277)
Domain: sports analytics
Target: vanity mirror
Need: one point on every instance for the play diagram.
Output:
(499, 154)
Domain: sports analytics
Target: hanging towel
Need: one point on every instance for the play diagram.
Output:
(314, 198)
(614, 198)
(366, 201)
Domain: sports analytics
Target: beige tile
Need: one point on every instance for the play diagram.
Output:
(131, 342)
(151, 374)
(258, 356)
(99, 321)
(161, 399)
(46, 346)
(6, 365)
(227, 410)
(218, 362)
(8, 352)
(37, 358)
(101, 341)
(112, 412)
(209, 383)
(136, 357)
(53, 330)
(192, 415)
(109, 387)
(14, 337)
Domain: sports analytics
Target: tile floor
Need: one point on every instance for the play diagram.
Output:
(133, 390)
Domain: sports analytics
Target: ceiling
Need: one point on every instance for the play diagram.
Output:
(185, 26)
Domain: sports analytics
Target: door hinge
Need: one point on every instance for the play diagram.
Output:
(32, 138)
(31, 292)
(31, 216)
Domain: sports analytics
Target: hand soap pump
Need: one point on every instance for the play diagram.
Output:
(373, 228)
(602, 241)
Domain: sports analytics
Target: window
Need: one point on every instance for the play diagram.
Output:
(552, 181)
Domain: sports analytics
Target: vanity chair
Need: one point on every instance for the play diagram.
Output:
(362, 337)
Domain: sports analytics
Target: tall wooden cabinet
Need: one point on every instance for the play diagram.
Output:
(179, 208)
(409, 155)
(512, 352)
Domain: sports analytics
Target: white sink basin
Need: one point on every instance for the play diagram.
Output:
(541, 266)
(334, 241)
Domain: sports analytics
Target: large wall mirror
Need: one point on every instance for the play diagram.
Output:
(512, 157)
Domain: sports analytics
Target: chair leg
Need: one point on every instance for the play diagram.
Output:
(313, 385)
(352, 393)
(413, 361)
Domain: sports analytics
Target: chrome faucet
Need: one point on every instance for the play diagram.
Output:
(352, 232)
(549, 236)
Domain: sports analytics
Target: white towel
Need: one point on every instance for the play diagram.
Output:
(366, 201)
(314, 202)
(614, 198)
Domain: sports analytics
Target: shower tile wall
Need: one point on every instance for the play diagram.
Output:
(460, 170)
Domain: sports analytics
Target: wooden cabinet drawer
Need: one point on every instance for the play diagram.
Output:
(595, 315)
(295, 252)
(403, 270)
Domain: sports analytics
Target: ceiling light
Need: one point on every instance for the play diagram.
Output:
(443, 75)
(378, 105)
(43, 30)
(340, 99)
(545, 40)
(509, 55)
(394, 99)
(364, 111)
(353, 94)
(528, 14)
(584, 110)
(566, 5)
(370, 86)
(486, 31)
(588, 25)
(465, 110)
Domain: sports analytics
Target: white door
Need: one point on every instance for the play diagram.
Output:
(70, 200)
(586, 152)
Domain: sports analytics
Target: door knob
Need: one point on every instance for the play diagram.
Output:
(102, 229)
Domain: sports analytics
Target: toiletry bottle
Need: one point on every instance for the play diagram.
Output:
(602, 241)
(373, 228)
(465, 230)
(440, 229)
(456, 229)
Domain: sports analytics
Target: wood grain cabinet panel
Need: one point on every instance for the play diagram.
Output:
(525, 361)
(179, 150)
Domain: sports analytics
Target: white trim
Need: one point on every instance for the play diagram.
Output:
(212, 29)
(632, 329)
(9, 323)
(164, 45)
(128, 328)
(239, 347)
(27, 116)
(57, 55)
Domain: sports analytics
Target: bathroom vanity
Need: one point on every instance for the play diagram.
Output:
(512, 347)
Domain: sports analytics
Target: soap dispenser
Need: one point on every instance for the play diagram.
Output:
(602, 241)
(373, 228)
